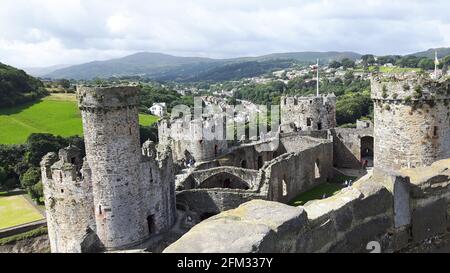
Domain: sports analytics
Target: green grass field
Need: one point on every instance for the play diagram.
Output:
(329, 189)
(57, 114)
(16, 210)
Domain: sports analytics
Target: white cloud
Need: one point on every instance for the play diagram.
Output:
(48, 32)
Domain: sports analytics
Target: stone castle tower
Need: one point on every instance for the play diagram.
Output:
(126, 193)
(308, 113)
(69, 202)
(200, 139)
(411, 123)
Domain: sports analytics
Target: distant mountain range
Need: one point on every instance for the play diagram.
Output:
(166, 67)
(163, 67)
(42, 71)
(430, 53)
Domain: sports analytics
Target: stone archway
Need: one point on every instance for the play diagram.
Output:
(367, 150)
(224, 180)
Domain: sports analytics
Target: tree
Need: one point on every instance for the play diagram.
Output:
(64, 83)
(10, 157)
(368, 59)
(444, 62)
(353, 106)
(41, 144)
(3, 176)
(37, 191)
(349, 76)
(409, 61)
(426, 64)
(17, 87)
(392, 59)
(335, 64)
(30, 178)
(149, 133)
(347, 63)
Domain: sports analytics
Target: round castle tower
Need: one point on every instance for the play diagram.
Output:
(411, 123)
(113, 152)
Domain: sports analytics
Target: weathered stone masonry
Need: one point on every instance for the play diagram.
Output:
(412, 120)
(308, 113)
(398, 210)
(122, 194)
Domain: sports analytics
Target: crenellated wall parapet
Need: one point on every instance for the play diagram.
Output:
(409, 87)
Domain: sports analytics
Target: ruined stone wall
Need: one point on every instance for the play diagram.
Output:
(197, 178)
(201, 140)
(308, 113)
(246, 157)
(68, 202)
(347, 146)
(293, 173)
(412, 120)
(308, 163)
(396, 211)
(158, 187)
(207, 202)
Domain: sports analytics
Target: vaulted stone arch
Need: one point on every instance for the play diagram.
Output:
(224, 180)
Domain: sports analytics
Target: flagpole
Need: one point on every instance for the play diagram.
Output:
(317, 77)
(435, 64)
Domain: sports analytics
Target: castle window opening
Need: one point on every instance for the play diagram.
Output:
(435, 131)
(284, 185)
(62, 190)
(317, 170)
(260, 162)
(319, 126)
(151, 224)
(244, 164)
(73, 160)
(100, 209)
(308, 122)
(367, 151)
(48, 173)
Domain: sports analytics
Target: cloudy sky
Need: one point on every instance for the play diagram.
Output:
(39, 33)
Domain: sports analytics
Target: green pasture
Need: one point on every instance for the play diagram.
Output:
(57, 114)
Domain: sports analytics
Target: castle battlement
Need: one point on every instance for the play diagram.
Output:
(411, 120)
(308, 113)
(305, 100)
(409, 87)
(107, 97)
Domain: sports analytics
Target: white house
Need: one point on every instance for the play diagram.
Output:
(158, 109)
